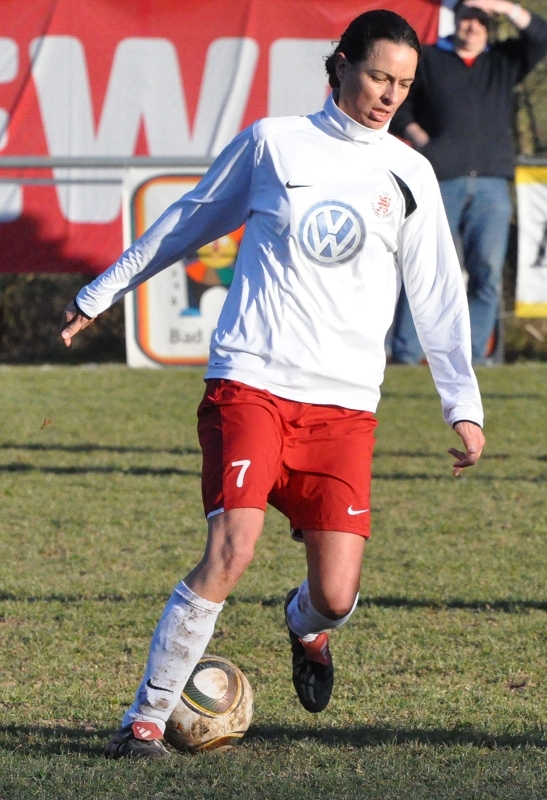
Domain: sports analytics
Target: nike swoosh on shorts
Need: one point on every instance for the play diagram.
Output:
(353, 512)
(290, 185)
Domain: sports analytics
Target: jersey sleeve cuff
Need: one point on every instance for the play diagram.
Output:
(472, 421)
(81, 307)
(468, 412)
(80, 311)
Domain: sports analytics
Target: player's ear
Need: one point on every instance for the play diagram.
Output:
(340, 66)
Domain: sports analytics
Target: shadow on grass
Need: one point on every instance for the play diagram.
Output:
(447, 477)
(195, 451)
(59, 740)
(507, 606)
(503, 606)
(485, 395)
(56, 740)
(370, 736)
(439, 455)
(158, 471)
(106, 597)
(100, 448)
(168, 471)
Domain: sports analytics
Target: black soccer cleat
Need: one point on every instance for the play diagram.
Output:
(312, 667)
(128, 742)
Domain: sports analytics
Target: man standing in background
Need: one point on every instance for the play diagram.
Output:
(459, 115)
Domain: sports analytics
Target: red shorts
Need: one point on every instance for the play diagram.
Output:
(312, 462)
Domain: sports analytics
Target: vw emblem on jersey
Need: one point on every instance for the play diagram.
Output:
(331, 233)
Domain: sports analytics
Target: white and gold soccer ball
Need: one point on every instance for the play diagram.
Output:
(215, 708)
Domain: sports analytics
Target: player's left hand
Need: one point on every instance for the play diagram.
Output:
(488, 6)
(492, 6)
(73, 322)
(473, 441)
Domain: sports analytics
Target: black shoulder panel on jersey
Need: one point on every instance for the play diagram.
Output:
(410, 203)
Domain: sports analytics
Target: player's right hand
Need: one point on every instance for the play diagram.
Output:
(473, 440)
(73, 322)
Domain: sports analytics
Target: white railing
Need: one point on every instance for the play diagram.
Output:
(18, 163)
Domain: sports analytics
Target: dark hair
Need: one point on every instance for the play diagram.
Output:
(361, 35)
(463, 11)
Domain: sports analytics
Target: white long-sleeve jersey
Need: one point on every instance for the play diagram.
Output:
(336, 216)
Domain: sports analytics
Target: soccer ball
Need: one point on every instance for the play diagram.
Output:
(215, 708)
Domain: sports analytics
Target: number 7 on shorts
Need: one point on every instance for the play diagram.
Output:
(244, 464)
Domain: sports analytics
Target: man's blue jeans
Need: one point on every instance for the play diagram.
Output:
(479, 215)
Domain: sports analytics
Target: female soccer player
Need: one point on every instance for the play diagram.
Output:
(338, 213)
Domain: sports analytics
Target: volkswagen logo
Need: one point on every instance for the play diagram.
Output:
(331, 233)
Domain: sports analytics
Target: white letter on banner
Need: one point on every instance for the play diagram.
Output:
(298, 82)
(11, 195)
(228, 77)
(145, 84)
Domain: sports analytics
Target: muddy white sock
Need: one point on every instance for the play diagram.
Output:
(179, 641)
(306, 621)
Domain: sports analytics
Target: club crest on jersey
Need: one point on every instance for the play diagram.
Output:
(331, 233)
(382, 205)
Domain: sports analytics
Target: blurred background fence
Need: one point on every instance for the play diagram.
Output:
(31, 303)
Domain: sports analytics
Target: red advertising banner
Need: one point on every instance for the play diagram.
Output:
(96, 78)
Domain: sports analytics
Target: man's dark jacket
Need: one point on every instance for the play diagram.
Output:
(467, 111)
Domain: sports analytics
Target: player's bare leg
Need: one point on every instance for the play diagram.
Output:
(229, 551)
(184, 631)
(334, 561)
(323, 602)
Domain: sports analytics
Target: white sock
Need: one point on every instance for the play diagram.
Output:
(306, 621)
(179, 641)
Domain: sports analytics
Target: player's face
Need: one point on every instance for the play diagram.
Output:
(471, 35)
(372, 90)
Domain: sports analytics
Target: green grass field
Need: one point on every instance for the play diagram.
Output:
(441, 674)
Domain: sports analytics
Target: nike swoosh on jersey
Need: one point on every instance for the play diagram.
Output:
(290, 185)
(352, 512)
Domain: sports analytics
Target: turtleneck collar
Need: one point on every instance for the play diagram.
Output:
(349, 127)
